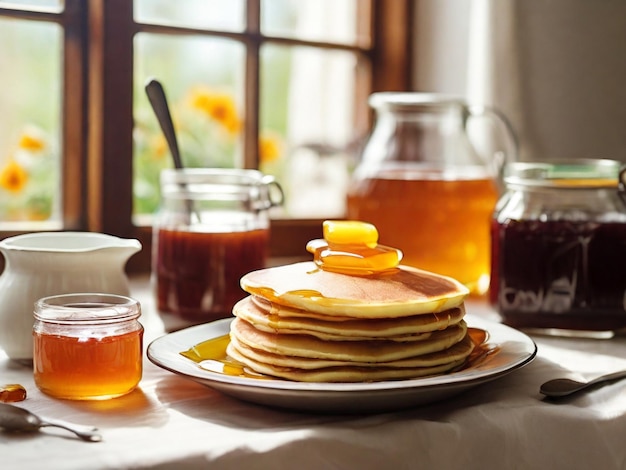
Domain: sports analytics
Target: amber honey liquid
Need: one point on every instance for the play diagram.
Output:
(441, 225)
(80, 368)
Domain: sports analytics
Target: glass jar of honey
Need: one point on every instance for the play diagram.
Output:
(87, 346)
(559, 248)
(212, 228)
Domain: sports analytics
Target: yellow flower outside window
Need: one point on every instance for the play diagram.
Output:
(13, 177)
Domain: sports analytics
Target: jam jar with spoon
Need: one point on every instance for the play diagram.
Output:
(211, 229)
(559, 248)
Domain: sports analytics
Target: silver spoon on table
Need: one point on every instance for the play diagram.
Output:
(564, 387)
(14, 418)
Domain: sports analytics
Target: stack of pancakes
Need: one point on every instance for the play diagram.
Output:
(307, 324)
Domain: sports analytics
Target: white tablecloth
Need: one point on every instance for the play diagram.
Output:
(172, 422)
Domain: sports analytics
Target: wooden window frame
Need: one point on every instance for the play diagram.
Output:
(73, 105)
(98, 110)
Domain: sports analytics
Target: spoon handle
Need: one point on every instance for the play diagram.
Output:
(565, 387)
(158, 100)
(612, 376)
(86, 433)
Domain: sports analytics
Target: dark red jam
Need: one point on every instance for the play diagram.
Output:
(559, 274)
(197, 273)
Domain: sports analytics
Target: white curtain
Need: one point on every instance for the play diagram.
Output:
(557, 69)
(320, 112)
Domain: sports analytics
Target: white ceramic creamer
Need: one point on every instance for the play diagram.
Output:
(49, 263)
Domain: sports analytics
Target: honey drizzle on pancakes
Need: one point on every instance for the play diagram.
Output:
(402, 291)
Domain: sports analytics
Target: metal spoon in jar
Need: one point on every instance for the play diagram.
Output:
(564, 387)
(14, 418)
(158, 101)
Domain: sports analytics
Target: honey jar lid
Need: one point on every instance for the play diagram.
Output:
(86, 308)
(568, 174)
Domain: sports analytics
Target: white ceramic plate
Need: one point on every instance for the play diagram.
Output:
(514, 350)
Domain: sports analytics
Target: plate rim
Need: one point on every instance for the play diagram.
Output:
(463, 378)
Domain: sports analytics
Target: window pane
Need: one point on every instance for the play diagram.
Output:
(30, 100)
(307, 126)
(50, 5)
(203, 80)
(317, 20)
(223, 15)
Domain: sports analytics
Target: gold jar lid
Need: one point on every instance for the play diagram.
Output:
(567, 174)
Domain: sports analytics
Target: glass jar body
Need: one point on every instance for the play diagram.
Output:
(87, 346)
(212, 228)
(559, 249)
(427, 186)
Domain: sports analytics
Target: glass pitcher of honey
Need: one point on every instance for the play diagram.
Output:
(429, 179)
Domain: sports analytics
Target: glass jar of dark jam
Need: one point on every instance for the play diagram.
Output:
(211, 229)
(559, 248)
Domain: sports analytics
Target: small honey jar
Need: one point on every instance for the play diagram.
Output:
(87, 346)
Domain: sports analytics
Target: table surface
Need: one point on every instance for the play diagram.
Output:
(173, 422)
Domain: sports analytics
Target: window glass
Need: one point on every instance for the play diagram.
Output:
(53, 5)
(30, 100)
(316, 20)
(225, 15)
(307, 125)
(203, 81)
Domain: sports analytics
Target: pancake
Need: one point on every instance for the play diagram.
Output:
(274, 318)
(398, 292)
(456, 352)
(346, 373)
(379, 351)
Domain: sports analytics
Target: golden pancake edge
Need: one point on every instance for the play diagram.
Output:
(402, 291)
(274, 318)
(346, 373)
(356, 351)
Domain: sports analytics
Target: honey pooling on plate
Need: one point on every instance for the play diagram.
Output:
(11, 393)
(211, 355)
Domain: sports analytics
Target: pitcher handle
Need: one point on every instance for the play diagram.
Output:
(500, 158)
